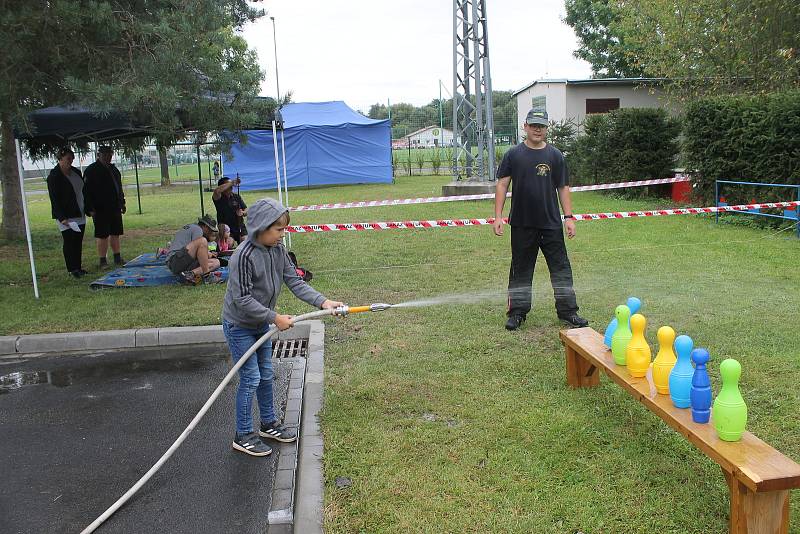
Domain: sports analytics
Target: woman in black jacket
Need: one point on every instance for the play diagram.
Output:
(65, 186)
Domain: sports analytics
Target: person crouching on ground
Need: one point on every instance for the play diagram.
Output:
(257, 269)
(188, 254)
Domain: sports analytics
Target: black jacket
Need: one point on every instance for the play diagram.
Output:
(100, 193)
(63, 203)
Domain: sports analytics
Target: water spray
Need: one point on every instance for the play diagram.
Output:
(341, 311)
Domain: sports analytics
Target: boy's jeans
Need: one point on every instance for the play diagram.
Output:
(255, 376)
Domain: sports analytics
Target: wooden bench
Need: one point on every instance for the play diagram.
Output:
(759, 477)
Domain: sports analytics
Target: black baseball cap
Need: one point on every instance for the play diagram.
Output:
(537, 116)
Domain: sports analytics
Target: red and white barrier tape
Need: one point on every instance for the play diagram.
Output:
(483, 196)
(443, 223)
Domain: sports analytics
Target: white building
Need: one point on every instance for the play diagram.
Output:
(575, 99)
(429, 137)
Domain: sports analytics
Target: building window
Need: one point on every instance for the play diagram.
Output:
(601, 105)
(539, 102)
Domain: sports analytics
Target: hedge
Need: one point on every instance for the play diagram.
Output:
(625, 145)
(744, 138)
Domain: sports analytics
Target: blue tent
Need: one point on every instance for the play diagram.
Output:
(326, 143)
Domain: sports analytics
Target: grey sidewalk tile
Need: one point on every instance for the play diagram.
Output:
(147, 337)
(284, 479)
(71, 341)
(291, 418)
(194, 334)
(8, 344)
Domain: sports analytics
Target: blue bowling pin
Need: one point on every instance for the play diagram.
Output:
(680, 379)
(635, 305)
(700, 394)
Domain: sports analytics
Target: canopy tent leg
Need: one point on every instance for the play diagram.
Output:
(285, 181)
(25, 216)
(278, 170)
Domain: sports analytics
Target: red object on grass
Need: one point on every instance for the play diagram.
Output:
(681, 191)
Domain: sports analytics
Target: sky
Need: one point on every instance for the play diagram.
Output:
(374, 51)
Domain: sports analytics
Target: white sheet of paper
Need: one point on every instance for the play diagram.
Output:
(74, 226)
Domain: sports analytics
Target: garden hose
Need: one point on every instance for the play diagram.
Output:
(339, 311)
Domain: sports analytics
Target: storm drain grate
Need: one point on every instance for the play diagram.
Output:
(290, 348)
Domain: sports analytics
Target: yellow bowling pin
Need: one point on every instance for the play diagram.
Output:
(665, 359)
(637, 355)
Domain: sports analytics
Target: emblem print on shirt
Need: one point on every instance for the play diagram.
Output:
(543, 169)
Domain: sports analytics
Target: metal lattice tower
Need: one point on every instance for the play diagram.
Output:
(473, 123)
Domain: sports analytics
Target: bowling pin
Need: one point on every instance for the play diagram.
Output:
(665, 359)
(622, 335)
(730, 411)
(634, 304)
(638, 354)
(700, 394)
(680, 378)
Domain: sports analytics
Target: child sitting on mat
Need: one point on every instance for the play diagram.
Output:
(257, 270)
(225, 242)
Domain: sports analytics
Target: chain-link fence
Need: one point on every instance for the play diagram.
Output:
(422, 136)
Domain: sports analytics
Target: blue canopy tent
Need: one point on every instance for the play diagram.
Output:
(325, 143)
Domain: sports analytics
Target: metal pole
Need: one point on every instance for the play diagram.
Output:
(136, 171)
(275, 46)
(25, 216)
(277, 166)
(285, 181)
(441, 121)
(797, 211)
(200, 183)
(199, 168)
(716, 200)
(476, 66)
(456, 133)
(489, 101)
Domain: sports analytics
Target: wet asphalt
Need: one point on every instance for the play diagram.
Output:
(77, 431)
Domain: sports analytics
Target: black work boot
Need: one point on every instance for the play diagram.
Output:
(574, 320)
(514, 322)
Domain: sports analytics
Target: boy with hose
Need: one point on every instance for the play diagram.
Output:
(257, 269)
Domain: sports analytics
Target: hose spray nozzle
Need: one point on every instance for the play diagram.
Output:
(347, 310)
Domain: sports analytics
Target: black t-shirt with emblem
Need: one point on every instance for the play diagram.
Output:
(536, 175)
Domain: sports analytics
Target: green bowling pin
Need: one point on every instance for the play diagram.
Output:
(622, 335)
(730, 412)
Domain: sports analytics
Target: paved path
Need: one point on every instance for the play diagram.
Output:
(77, 431)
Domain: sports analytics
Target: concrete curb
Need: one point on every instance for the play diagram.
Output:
(309, 481)
(133, 338)
(111, 339)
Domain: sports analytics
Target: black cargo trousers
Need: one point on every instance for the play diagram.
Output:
(525, 245)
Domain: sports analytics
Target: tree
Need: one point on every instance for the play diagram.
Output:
(166, 67)
(163, 165)
(602, 41)
(708, 46)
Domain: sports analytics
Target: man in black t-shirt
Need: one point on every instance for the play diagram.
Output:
(231, 209)
(540, 180)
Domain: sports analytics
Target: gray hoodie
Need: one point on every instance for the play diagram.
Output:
(256, 273)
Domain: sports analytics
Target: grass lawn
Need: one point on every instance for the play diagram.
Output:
(445, 422)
